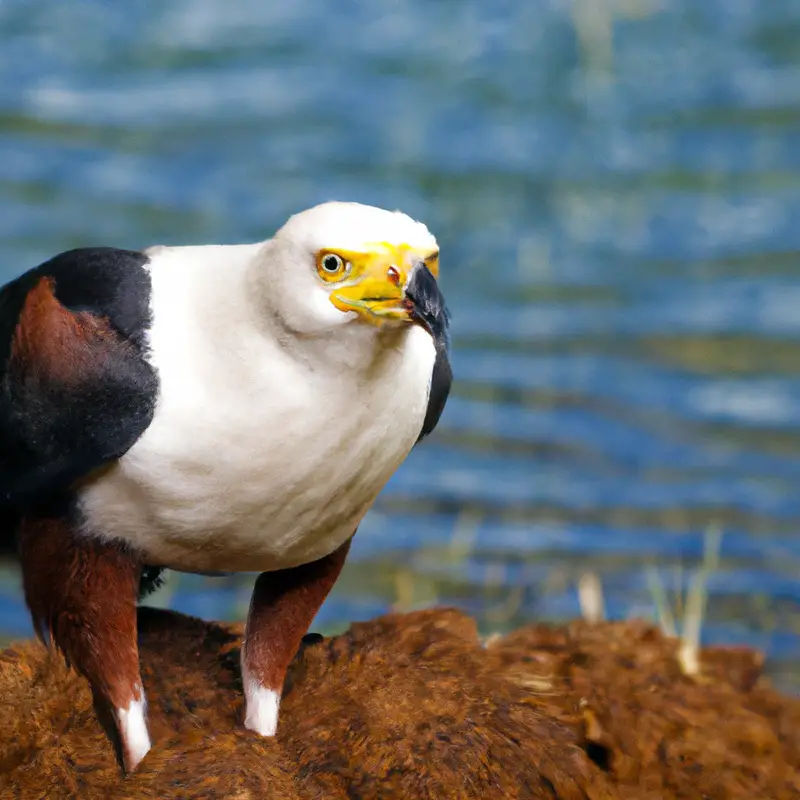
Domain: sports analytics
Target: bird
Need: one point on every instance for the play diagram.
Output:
(210, 409)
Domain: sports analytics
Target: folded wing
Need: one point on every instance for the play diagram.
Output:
(76, 391)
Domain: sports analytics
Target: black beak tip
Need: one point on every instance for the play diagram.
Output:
(425, 302)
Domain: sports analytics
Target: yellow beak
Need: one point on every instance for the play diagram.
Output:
(375, 286)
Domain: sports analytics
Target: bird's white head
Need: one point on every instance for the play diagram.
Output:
(342, 263)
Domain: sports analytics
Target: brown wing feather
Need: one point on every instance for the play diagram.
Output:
(75, 390)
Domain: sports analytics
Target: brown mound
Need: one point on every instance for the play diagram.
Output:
(412, 706)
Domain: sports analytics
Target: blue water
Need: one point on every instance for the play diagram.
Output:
(616, 189)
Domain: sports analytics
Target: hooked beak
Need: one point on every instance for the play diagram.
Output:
(380, 287)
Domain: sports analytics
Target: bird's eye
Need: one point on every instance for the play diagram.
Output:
(332, 265)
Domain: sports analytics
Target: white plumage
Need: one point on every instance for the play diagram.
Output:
(279, 417)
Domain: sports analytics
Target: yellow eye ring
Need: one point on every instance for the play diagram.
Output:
(331, 266)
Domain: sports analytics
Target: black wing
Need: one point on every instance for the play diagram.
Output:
(430, 310)
(75, 389)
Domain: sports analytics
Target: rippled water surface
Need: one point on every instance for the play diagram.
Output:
(615, 187)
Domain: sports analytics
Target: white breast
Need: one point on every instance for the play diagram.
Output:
(256, 459)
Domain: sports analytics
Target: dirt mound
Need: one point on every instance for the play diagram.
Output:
(413, 706)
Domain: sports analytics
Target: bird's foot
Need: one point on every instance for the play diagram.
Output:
(133, 735)
(262, 708)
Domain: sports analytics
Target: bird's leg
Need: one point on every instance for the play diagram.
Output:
(284, 604)
(82, 593)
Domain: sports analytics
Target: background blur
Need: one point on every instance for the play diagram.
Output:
(615, 187)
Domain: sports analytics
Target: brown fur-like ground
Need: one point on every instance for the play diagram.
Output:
(413, 706)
